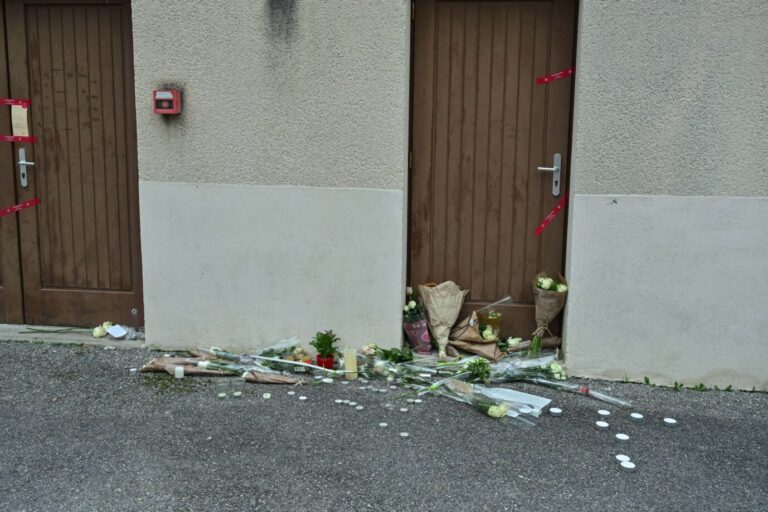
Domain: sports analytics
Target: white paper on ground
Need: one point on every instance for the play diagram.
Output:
(117, 331)
(535, 402)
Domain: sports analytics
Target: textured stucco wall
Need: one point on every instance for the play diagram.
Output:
(274, 204)
(670, 98)
(667, 238)
(276, 92)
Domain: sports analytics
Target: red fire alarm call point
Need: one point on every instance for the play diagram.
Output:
(166, 101)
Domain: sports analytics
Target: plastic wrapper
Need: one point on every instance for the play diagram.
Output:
(581, 390)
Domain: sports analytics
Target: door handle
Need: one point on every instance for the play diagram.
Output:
(23, 179)
(555, 170)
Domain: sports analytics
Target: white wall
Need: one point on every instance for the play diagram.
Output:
(668, 239)
(274, 205)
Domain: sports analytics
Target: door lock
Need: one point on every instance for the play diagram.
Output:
(555, 170)
(23, 180)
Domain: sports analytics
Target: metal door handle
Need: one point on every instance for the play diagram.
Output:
(555, 170)
(23, 179)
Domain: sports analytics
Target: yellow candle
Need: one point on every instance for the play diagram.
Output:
(350, 363)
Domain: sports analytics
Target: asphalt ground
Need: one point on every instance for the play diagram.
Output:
(78, 433)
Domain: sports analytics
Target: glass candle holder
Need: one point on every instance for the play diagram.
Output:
(221, 387)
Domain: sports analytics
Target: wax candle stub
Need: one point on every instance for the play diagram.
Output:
(602, 425)
(266, 396)
(222, 395)
(237, 394)
(359, 407)
(636, 416)
(338, 401)
(350, 363)
(622, 458)
(622, 437)
(302, 398)
(670, 422)
(404, 434)
(555, 411)
(291, 393)
(603, 413)
(403, 409)
(352, 404)
(178, 372)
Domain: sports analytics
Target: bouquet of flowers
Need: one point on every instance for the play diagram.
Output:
(415, 324)
(493, 408)
(549, 299)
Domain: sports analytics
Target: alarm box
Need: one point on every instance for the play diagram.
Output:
(167, 101)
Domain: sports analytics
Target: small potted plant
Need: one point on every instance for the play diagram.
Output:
(326, 351)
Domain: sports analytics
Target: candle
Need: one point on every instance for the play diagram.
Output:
(350, 363)
(178, 372)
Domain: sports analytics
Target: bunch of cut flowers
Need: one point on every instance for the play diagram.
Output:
(549, 299)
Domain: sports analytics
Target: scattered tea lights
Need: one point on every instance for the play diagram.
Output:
(404, 434)
(622, 458)
(382, 424)
(403, 409)
(266, 396)
(291, 393)
(555, 411)
(338, 401)
(603, 413)
(359, 407)
(623, 438)
(302, 398)
(602, 425)
(636, 416)
(628, 466)
(670, 422)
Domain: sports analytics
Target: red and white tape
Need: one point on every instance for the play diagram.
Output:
(18, 138)
(551, 215)
(555, 76)
(21, 206)
(23, 103)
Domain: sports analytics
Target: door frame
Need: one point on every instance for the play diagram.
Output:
(12, 299)
(27, 303)
(566, 186)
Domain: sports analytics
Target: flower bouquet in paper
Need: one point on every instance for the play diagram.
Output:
(414, 323)
(443, 304)
(549, 299)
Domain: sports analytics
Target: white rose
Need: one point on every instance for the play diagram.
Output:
(106, 325)
(99, 332)
(546, 283)
(562, 288)
(412, 304)
(488, 334)
(406, 308)
(514, 341)
(203, 364)
(409, 290)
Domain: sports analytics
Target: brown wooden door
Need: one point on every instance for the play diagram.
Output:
(80, 252)
(480, 128)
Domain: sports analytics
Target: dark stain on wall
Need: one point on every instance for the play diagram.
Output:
(282, 19)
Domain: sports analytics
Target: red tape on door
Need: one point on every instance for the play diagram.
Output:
(555, 76)
(551, 215)
(24, 103)
(18, 207)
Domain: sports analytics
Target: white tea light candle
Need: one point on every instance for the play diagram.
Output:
(178, 372)
(636, 416)
(555, 411)
(602, 425)
(622, 437)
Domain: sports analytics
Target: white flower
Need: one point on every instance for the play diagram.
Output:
(412, 304)
(406, 308)
(488, 334)
(99, 332)
(409, 291)
(203, 364)
(106, 325)
(562, 288)
(514, 341)
(545, 283)
(369, 350)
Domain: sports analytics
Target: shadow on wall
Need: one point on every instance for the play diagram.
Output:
(282, 19)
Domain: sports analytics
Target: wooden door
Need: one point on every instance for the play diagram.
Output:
(80, 252)
(480, 128)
